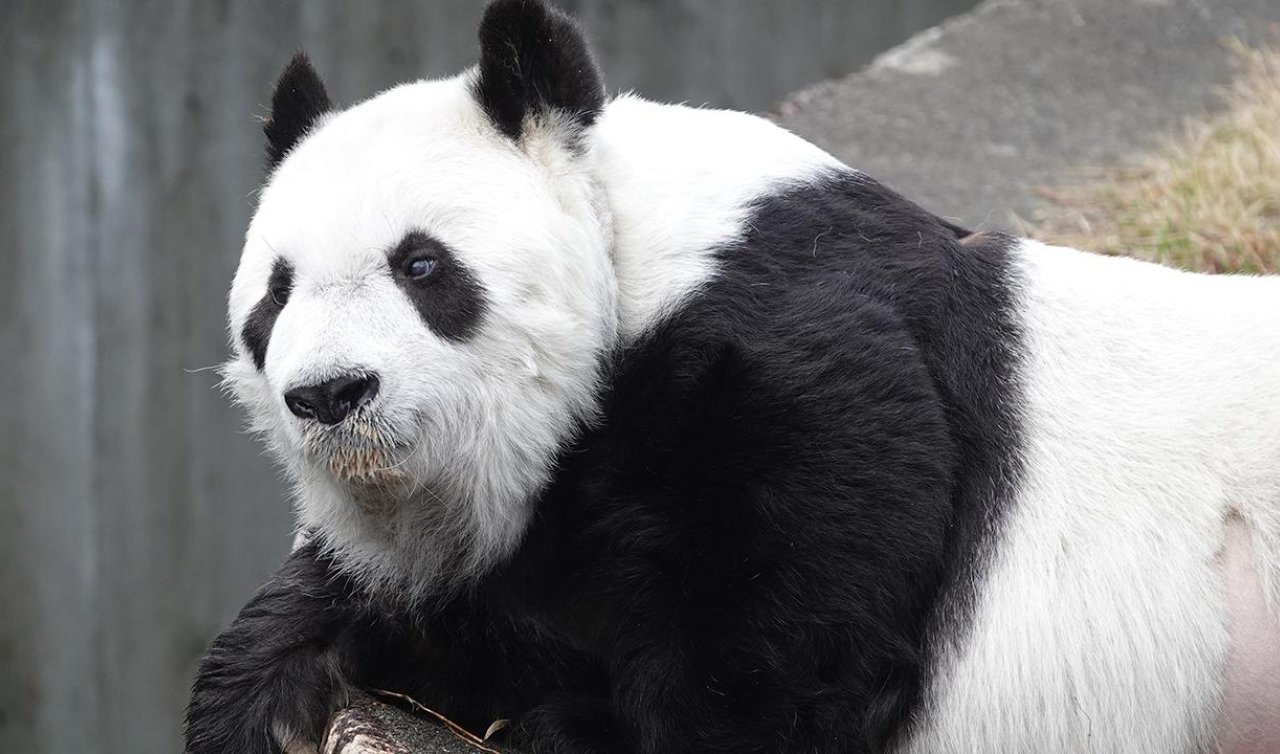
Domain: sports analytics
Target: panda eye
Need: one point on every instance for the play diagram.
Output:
(419, 268)
(280, 294)
(280, 284)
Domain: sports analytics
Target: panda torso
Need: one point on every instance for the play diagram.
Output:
(775, 476)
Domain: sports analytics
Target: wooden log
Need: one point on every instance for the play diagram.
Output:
(371, 725)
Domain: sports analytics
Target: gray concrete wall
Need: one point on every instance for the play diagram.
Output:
(135, 517)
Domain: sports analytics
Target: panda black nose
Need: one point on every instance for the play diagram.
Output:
(330, 401)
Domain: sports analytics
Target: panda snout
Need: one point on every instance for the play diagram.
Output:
(331, 401)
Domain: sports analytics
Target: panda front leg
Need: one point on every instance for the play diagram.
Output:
(271, 680)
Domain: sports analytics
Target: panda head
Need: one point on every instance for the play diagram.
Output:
(424, 298)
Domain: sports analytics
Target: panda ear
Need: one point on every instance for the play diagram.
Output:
(298, 102)
(535, 61)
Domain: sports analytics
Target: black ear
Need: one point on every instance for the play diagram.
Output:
(533, 60)
(299, 100)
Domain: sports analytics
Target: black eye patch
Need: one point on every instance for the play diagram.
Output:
(256, 332)
(446, 294)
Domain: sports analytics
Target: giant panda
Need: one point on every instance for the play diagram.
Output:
(656, 429)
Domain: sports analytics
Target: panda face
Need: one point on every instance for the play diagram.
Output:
(419, 317)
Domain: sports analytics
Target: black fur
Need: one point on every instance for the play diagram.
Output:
(763, 542)
(308, 637)
(534, 60)
(297, 103)
(450, 300)
(953, 289)
(256, 333)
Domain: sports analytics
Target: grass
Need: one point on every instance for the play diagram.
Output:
(1208, 199)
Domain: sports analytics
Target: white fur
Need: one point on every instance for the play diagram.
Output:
(680, 181)
(1153, 413)
(476, 423)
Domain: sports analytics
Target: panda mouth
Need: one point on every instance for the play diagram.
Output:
(365, 467)
(360, 451)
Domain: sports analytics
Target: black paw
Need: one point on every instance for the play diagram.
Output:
(569, 725)
(247, 704)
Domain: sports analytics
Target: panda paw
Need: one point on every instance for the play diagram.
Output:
(242, 704)
(568, 725)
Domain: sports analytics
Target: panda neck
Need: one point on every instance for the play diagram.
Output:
(679, 183)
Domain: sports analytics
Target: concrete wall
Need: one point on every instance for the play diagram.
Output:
(135, 517)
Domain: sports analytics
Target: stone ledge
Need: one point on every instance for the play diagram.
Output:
(970, 117)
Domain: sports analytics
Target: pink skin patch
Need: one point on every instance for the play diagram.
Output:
(1251, 701)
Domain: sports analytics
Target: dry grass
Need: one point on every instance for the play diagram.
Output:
(1207, 200)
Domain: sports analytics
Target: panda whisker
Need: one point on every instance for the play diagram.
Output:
(407, 457)
(415, 479)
